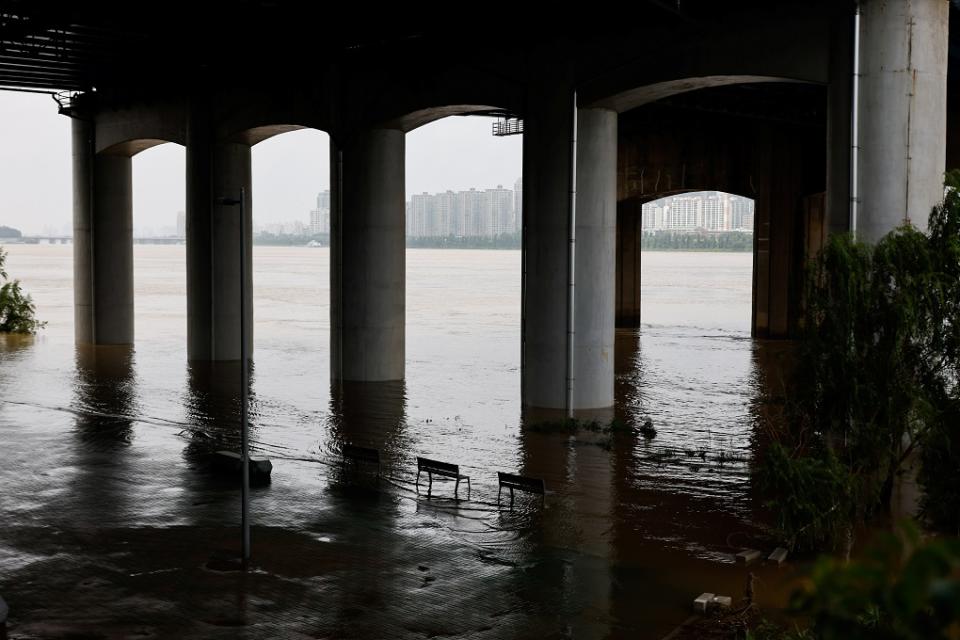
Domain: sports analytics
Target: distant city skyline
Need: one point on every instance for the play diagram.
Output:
(699, 211)
(471, 213)
(36, 186)
(451, 156)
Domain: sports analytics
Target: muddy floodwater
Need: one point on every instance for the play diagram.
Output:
(112, 522)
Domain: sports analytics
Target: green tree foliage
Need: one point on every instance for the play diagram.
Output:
(501, 241)
(877, 378)
(699, 241)
(901, 589)
(17, 312)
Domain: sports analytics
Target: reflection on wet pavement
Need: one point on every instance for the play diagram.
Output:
(111, 517)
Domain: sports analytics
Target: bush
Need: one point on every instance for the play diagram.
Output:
(17, 312)
(903, 588)
(877, 378)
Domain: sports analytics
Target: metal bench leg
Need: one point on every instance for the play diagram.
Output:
(456, 488)
(468, 488)
(498, 494)
(511, 497)
(429, 486)
(418, 481)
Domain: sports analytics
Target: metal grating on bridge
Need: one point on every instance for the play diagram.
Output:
(45, 51)
(508, 126)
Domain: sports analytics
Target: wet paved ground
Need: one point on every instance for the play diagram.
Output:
(114, 527)
(339, 554)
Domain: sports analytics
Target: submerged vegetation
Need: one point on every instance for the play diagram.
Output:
(876, 384)
(876, 393)
(17, 312)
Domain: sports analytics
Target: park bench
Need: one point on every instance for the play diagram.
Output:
(520, 483)
(361, 454)
(230, 462)
(445, 469)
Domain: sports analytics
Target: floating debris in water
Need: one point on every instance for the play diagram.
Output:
(647, 430)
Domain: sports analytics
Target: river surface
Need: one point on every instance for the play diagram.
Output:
(106, 492)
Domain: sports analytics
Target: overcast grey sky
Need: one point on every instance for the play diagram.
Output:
(288, 170)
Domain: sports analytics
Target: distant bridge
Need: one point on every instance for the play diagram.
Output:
(69, 240)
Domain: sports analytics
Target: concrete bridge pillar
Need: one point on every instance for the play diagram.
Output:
(839, 123)
(549, 380)
(367, 257)
(902, 114)
(217, 170)
(103, 241)
(596, 258)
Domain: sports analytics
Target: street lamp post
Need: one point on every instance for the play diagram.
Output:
(244, 382)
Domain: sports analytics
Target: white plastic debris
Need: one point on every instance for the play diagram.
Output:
(723, 602)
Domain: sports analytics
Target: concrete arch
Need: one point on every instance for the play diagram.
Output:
(653, 197)
(395, 101)
(257, 135)
(130, 130)
(130, 148)
(787, 43)
(421, 117)
(250, 117)
(642, 95)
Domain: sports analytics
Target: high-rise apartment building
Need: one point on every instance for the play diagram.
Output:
(498, 212)
(699, 211)
(518, 205)
(471, 213)
(320, 217)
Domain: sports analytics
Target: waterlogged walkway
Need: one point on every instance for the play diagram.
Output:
(122, 536)
(113, 527)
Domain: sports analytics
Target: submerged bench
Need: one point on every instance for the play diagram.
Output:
(521, 483)
(361, 454)
(231, 462)
(444, 469)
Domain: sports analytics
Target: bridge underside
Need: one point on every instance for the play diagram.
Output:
(766, 142)
(749, 97)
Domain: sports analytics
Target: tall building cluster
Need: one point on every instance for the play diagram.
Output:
(468, 214)
(700, 211)
(320, 217)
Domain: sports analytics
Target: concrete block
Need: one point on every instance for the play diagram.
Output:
(702, 603)
(748, 556)
(722, 602)
(778, 555)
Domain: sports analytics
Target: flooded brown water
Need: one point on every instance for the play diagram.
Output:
(106, 495)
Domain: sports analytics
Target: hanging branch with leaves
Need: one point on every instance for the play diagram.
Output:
(17, 311)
